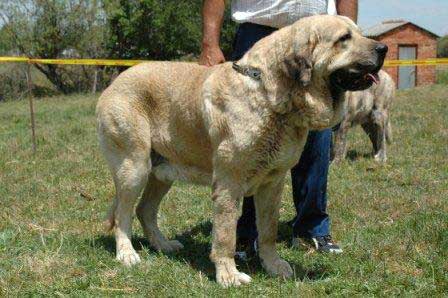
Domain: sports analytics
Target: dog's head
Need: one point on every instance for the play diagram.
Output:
(340, 60)
(342, 56)
(317, 59)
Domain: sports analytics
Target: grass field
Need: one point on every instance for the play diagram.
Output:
(442, 74)
(391, 220)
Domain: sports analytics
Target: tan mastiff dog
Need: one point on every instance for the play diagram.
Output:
(238, 128)
(370, 109)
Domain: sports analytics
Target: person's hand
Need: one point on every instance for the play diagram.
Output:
(211, 55)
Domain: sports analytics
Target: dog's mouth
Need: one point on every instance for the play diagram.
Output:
(356, 77)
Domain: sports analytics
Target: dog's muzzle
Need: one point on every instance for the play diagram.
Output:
(361, 75)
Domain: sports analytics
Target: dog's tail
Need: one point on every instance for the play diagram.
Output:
(388, 131)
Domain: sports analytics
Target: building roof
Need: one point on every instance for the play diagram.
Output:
(389, 25)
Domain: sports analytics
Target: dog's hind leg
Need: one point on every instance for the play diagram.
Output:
(376, 130)
(147, 211)
(130, 177)
(127, 150)
(389, 138)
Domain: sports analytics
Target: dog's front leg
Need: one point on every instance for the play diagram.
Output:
(267, 205)
(225, 213)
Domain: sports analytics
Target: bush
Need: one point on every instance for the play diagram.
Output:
(442, 47)
(13, 83)
(14, 86)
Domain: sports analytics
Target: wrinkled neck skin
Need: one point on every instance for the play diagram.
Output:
(267, 55)
(315, 106)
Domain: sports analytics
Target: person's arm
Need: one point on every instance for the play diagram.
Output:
(348, 8)
(212, 17)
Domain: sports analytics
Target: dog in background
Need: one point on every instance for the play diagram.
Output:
(370, 109)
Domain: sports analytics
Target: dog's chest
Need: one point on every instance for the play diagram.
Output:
(276, 150)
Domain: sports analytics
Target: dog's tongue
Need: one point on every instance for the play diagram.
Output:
(373, 77)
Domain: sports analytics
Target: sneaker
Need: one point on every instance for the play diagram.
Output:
(320, 243)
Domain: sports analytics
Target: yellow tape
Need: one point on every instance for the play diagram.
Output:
(434, 61)
(120, 62)
(13, 59)
(104, 62)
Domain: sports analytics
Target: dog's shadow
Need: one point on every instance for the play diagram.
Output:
(196, 252)
(354, 155)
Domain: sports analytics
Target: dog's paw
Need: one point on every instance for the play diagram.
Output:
(128, 257)
(279, 268)
(380, 157)
(229, 279)
(170, 246)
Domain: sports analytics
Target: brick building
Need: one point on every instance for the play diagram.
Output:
(407, 41)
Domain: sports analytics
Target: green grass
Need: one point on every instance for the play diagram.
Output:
(442, 78)
(391, 220)
(442, 74)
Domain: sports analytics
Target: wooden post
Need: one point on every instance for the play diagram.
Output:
(95, 80)
(31, 99)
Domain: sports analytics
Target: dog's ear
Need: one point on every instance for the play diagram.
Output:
(298, 68)
(297, 65)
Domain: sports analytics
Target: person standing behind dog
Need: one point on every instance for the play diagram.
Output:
(258, 19)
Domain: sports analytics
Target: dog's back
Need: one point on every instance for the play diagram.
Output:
(142, 97)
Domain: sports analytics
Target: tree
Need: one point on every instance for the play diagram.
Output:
(130, 29)
(158, 30)
(442, 47)
(5, 42)
(55, 29)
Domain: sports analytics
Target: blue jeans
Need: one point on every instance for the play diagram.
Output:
(309, 176)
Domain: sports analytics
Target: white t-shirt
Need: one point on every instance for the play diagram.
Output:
(279, 13)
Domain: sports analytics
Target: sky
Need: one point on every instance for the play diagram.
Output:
(429, 14)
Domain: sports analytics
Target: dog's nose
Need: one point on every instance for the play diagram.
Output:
(381, 48)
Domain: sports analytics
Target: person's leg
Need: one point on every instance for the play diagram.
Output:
(246, 229)
(246, 36)
(309, 184)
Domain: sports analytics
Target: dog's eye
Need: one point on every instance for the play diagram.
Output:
(345, 37)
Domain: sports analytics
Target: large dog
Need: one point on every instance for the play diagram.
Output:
(238, 128)
(370, 109)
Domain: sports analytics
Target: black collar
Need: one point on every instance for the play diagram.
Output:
(252, 72)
